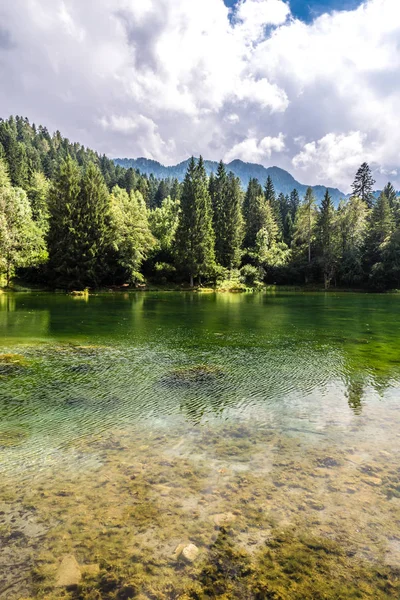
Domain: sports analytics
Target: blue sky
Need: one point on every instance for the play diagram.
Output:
(307, 10)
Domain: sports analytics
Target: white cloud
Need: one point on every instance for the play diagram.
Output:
(335, 158)
(170, 78)
(253, 150)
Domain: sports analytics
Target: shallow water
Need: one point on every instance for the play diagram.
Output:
(261, 427)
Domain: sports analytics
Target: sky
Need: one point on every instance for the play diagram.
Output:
(312, 87)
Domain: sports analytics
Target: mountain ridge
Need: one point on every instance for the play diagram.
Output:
(283, 181)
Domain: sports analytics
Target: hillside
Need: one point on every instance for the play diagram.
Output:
(283, 181)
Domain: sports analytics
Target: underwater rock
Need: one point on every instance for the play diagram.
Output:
(223, 519)
(193, 375)
(11, 363)
(10, 438)
(69, 573)
(188, 552)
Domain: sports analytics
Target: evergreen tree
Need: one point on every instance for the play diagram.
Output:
(176, 190)
(304, 232)
(394, 201)
(294, 203)
(253, 212)
(38, 194)
(79, 211)
(233, 234)
(327, 239)
(380, 229)
(270, 252)
(92, 236)
(352, 226)
(390, 194)
(64, 214)
(161, 193)
(195, 235)
(363, 185)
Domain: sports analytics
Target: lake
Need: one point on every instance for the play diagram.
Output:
(186, 445)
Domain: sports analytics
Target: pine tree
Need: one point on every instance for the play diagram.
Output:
(271, 199)
(91, 228)
(253, 212)
(294, 204)
(390, 194)
(352, 226)
(304, 232)
(79, 211)
(233, 223)
(63, 207)
(38, 194)
(394, 201)
(195, 235)
(363, 185)
(327, 239)
(380, 230)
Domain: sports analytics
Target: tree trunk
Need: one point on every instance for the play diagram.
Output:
(191, 280)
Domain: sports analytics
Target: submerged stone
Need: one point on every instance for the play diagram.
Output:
(187, 552)
(69, 573)
(223, 519)
(11, 363)
(193, 375)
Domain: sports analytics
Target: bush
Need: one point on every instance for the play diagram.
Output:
(249, 275)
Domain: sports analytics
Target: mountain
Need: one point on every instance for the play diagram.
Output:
(283, 181)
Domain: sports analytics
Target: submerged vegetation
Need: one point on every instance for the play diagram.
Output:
(72, 219)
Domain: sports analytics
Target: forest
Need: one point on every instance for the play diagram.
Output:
(71, 219)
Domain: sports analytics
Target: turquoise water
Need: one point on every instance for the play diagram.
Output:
(299, 393)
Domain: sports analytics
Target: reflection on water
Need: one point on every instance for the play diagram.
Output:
(161, 445)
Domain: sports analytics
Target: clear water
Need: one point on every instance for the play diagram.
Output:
(133, 423)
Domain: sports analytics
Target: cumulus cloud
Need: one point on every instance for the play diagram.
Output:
(253, 150)
(168, 78)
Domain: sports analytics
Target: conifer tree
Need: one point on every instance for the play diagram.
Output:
(379, 234)
(352, 226)
(327, 239)
(253, 212)
(38, 194)
(226, 200)
(294, 204)
(230, 256)
(363, 185)
(195, 235)
(64, 214)
(304, 232)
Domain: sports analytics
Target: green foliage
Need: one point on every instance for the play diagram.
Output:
(249, 274)
(163, 222)
(327, 235)
(78, 236)
(131, 238)
(253, 212)
(195, 235)
(21, 241)
(226, 197)
(105, 224)
(304, 234)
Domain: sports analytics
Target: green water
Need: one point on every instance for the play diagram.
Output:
(129, 423)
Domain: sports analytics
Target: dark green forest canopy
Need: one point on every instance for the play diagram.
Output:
(71, 219)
